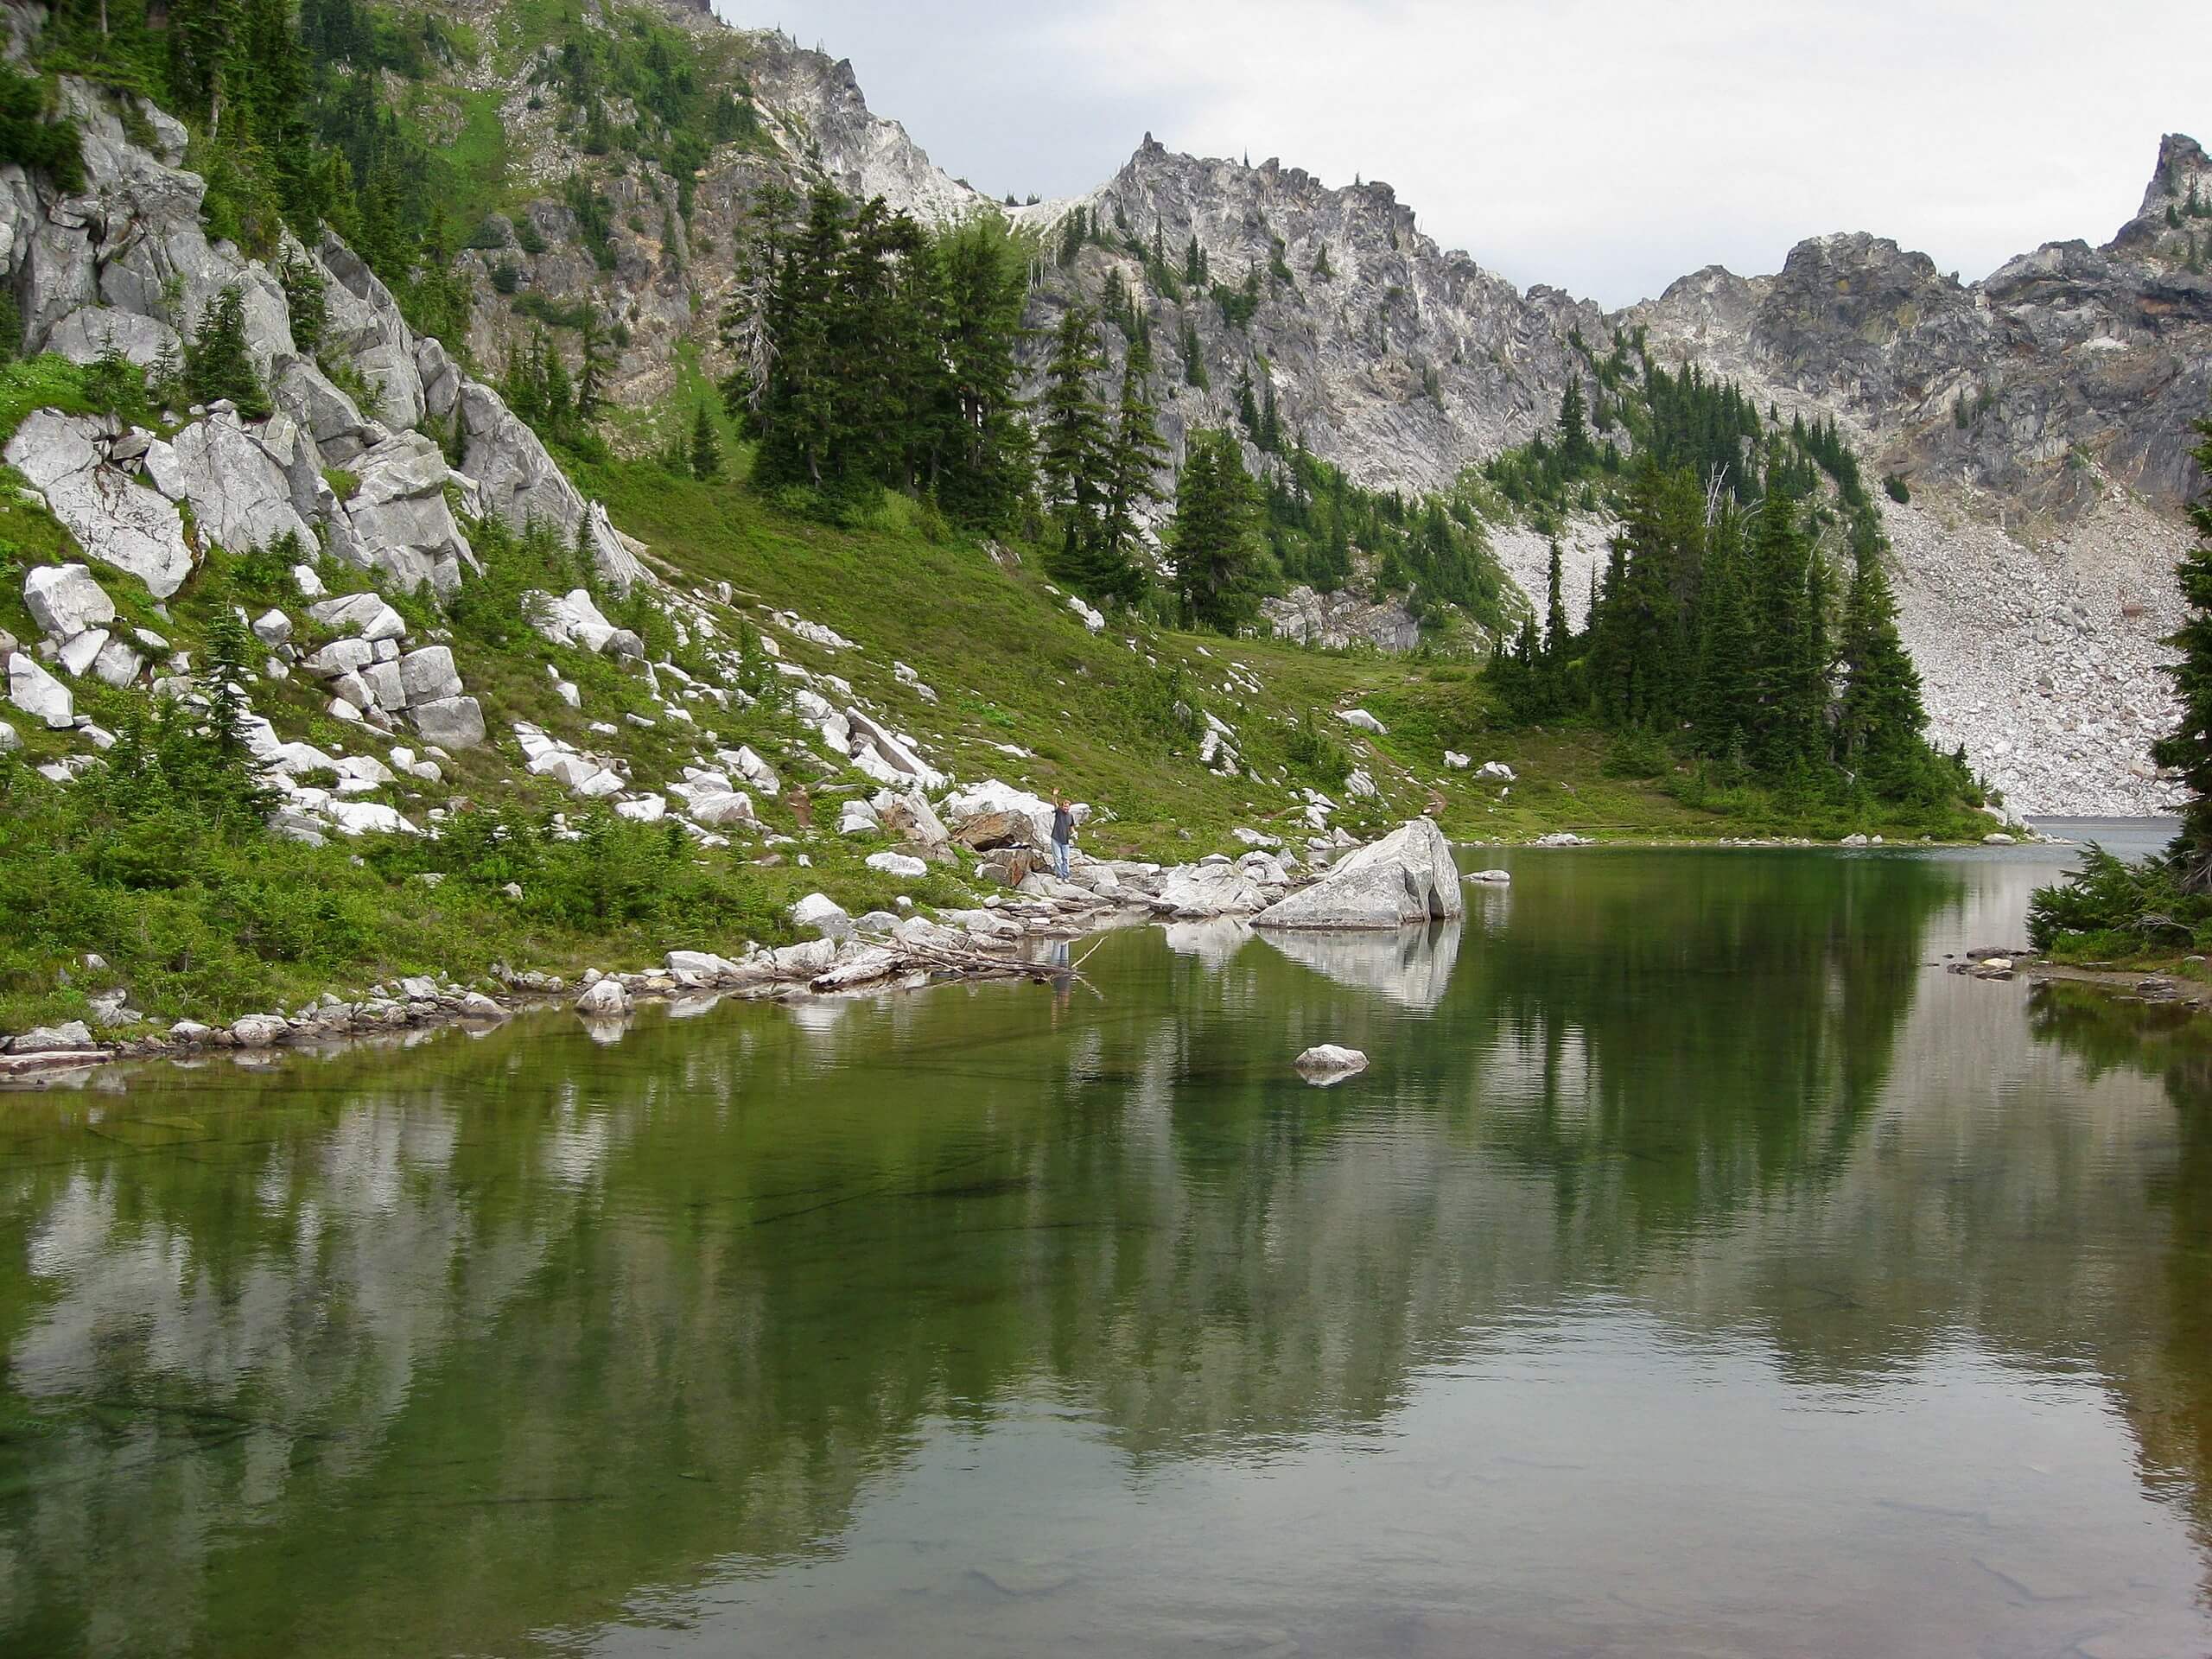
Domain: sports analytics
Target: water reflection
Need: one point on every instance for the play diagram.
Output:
(1410, 966)
(1662, 1159)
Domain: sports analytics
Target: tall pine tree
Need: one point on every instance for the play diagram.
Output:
(1215, 543)
(2188, 748)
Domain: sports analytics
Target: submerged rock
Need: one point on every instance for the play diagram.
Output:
(1329, 1063)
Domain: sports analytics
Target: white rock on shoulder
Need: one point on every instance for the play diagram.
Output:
(821, 913)
(36, 692)
(65, 600)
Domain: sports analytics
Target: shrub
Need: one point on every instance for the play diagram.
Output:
(1636, 753)
(1898, 491)
(27, 138)
(1316, 755)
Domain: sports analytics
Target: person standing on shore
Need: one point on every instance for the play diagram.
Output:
(1063, 833)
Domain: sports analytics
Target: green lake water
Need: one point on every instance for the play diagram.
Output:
(1699, 1268)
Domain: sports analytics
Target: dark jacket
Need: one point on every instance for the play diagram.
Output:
(1063, 825)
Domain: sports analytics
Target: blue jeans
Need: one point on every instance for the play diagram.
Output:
(1060, 860)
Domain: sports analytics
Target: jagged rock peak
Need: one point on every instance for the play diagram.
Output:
(2181, 162)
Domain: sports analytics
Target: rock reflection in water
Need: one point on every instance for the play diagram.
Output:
(1409, 966)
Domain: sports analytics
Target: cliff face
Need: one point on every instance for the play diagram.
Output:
(2067, 370)
(1400, 361)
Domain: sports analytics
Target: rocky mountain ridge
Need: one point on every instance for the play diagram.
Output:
(2032, 405)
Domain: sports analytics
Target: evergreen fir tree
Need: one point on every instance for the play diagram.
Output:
(1133, 464)
(1786, 735)
(1727, 650)
(218, 362)
(230, 650)
(705, 448)
(1216, 551)
(1576, 453)
(1074, 438)
(1881, 725)
(2188, 748)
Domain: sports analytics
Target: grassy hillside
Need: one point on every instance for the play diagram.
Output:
(200, 914)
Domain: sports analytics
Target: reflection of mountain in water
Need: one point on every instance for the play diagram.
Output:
(571, 1320)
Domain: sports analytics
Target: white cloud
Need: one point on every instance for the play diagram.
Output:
(1602, 145)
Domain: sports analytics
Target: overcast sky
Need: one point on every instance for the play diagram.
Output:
(1605, 146)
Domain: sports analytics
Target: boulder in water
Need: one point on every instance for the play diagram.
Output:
(1329, 1063)
(1406, 878)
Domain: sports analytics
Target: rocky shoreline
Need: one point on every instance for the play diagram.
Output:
(1406, 877)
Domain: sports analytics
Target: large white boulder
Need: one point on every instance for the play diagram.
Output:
(398, 521)
(37, 692)
(1328, 1063)
(427, 674)
(449, 723)
(369, 817)
(348, 656)
(904, 766)
(90, 330)
(239, 496)
(365, 615)
(520, 482)
(603, 999)
(901, 864)
(716, 811)
(64, 601)
(77, 656)
(965, 805)
(118, 664)
(1405, 877)
(115, 520)
(821, 913)
(569, 619)
(327, 415)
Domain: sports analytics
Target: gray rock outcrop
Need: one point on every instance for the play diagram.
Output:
(114, 518)
(1406, 878)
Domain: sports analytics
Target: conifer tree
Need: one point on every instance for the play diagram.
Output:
(1557, 631)
(1214, 550)
(705, 448)
(1133, 464)
(218, 362)
(1881, 724)
(1786, 736)
(1074, 438)
(1727, 649)
(1576, 453)
(2188, 748)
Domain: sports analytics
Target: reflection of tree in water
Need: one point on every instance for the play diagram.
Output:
(2165, 1378)
(567, 1321)
(1701, 1028)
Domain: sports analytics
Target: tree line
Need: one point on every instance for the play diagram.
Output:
(1718, 631)
(872, 353)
